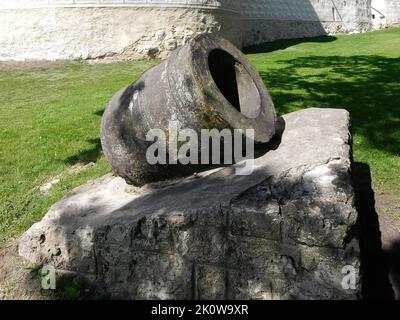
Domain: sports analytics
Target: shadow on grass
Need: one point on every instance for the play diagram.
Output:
(100, 112)
(284, 44)
(89, 155)
(375, 262)
(367, 86)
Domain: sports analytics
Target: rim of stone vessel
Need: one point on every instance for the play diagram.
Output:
(245, 101)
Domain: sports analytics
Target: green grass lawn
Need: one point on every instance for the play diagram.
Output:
(50, 116)
(360, 73)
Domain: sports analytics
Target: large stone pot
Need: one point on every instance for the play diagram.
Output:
(206, 84)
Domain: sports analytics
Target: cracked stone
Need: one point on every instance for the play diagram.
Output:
(282, 232)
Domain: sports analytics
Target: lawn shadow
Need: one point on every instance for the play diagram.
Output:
(91, 154)
(285, 43)
(367, 86)
(375, 262)
(87, 156)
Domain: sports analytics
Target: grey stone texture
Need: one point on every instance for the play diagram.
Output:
(206, 84)
(283, 232)
(269, 20)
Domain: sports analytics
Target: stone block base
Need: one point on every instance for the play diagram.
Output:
(284, 232)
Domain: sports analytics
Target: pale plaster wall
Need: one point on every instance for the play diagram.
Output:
(268, 20)
(70, 29)
(378, 10)
(353, 15)
(90, 32)
(393, 12)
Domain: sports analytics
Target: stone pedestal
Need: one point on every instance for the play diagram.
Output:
(284, 232)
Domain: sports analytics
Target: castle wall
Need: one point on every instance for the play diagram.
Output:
(71, 29)
(268, 20)
(62, 29)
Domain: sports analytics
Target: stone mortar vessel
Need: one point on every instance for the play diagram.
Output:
(206, 84)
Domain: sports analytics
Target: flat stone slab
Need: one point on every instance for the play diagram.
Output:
(284, 232)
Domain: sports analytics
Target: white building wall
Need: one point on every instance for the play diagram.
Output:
(378, 12)
(385, 13)
(73, 29)
(267, 20)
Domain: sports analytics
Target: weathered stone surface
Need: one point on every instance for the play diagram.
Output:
(283, 232)
(206, 84)
(108, 31)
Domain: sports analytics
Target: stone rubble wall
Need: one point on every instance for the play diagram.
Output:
(223, 4)
(355, 15)
(93, 32)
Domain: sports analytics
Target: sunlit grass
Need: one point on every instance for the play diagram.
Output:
(360, 73)
(49, 122)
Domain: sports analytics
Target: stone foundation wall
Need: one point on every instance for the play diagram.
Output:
(92, 32)
(129, 29)
(354, 15)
